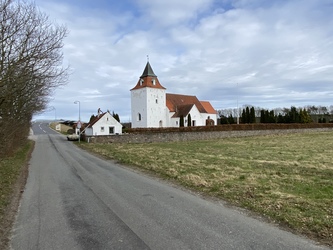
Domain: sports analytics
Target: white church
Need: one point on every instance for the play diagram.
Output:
(152, 107)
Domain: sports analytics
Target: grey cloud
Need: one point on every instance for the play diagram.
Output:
(279, 52)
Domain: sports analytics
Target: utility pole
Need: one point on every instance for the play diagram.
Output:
(78, 102)
(237, 106)
(78, 125)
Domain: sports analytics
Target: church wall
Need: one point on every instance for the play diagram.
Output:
(195, 116)
(211, 116)
(139, 106)
(148, 105)
(151, 104)
(156, 108)
(174, 122)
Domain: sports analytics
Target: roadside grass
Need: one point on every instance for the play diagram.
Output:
(287, 178)
(11, 181)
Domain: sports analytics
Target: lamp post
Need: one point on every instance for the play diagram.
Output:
(78, 102)
(78, 126)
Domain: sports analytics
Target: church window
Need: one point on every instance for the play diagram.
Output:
(102, 129)
(141, 82)
(153, 81)
(156, 101)
(139, 117)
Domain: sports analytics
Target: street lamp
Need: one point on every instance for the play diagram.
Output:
(78, 102)
(78, 126)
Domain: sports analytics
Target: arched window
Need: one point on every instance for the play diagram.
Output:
(139, 117)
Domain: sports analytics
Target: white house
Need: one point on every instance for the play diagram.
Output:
(103, 124)
(152, 107)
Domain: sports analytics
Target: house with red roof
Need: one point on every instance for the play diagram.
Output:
(152, 107)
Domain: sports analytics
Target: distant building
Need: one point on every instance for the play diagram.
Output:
(103, 124)
(152, 107)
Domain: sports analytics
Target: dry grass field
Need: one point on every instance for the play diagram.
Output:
(286, 178)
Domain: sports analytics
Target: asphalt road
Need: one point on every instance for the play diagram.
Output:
(74, 200)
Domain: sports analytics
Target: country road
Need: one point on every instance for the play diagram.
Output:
(74, 200)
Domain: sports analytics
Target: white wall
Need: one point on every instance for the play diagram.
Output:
(195, 116)
(200, 119)
(156, 107)
(139, 105)
(102, 126)
(211, 116)
(151, 104)
(174, 122)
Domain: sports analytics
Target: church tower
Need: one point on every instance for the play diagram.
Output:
(148, 101)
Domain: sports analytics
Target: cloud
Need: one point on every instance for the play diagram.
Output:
(265, 53)
(173, 12)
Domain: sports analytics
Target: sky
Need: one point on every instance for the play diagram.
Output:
(268, 54)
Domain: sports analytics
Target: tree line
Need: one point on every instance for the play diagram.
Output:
(30, 68)
(251, 114)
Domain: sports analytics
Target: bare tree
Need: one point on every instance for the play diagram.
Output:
(278, 111)
(331, 109)
(312, 110)
(30, 66)
(322, 110)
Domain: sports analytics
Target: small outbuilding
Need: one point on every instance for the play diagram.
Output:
(103, 124)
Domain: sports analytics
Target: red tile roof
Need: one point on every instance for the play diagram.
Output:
(148, 81)
(208, 107)
(175, 101)
(183, 110)
(97, 118)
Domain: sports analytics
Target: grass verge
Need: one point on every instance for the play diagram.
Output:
(286, 178)
(13, 173)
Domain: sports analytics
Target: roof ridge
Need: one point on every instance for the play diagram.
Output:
(97, 118)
